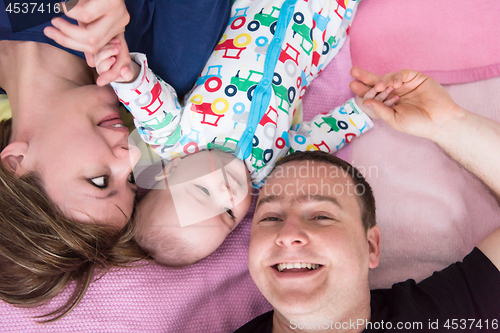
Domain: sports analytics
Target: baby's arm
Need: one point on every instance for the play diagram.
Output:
(154, 105)
(330, 132)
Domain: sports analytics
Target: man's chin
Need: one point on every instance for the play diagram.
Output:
(297, 304)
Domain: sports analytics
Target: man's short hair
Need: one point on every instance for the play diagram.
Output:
(366, 200)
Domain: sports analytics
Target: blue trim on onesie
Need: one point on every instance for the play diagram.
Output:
(262, 93)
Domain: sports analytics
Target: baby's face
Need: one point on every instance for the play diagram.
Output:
(210, 188)
(208, 192)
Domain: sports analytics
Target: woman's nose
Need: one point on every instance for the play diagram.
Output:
(126, 157)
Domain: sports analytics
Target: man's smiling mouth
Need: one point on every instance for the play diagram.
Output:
(296, 267)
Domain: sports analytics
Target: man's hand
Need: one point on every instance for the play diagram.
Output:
(427, 110)
(424, 109)
(99, 21)
(378, 96)
(113, 63)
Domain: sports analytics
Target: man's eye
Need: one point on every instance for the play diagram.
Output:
(271, 219)
(100, 182)
(203, 189)
(230, 213)
(322, 217)
(131, 178)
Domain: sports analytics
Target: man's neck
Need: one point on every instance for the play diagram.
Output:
(350, 323)
(34, 75)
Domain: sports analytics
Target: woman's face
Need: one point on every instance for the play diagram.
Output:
(84, 159)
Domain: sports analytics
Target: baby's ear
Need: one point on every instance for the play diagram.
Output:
(168, 170)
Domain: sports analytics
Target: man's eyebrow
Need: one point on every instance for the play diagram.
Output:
(304, 198)
(268, 199)
(319, 198)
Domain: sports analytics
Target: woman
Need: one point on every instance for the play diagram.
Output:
(66, 190)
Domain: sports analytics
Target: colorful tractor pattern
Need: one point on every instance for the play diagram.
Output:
(219, 108)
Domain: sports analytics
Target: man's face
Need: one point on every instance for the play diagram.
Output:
(305, 219)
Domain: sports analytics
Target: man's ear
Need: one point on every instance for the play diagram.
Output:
(374, 239)
(13, 156)
(168, 170)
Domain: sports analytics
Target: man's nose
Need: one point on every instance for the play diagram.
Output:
(292, 233)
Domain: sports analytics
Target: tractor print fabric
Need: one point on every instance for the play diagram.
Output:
(245, 98)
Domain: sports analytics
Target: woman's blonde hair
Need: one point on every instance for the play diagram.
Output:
(41, 250)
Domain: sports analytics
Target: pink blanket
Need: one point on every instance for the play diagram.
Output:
(452, 41)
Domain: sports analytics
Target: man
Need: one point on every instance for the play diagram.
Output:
(314, 237)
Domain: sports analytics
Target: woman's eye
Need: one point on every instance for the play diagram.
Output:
(203, 189)
(230, 213)
(100, 182)
(131, 178)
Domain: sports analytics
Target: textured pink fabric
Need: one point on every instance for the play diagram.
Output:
(452, 41)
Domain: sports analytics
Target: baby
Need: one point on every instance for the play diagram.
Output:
(236, 122)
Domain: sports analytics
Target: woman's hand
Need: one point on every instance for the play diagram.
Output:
(98, 22)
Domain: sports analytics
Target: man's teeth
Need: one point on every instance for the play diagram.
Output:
(283, 266)
(118, 125)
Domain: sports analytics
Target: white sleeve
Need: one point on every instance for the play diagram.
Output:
(330, 132)
(153, 103)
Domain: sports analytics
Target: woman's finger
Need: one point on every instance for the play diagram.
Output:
(66, 41)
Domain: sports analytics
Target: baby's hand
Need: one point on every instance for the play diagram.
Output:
(113, 63)
(382, 96)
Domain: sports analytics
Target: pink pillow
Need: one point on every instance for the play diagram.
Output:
(452, 41)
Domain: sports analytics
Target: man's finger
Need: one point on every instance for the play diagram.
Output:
(359, 88)
(384, 82)
(364, 76)
(382, 96)
(384, 112)
(407, 80)
(391, 101)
